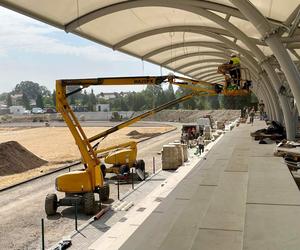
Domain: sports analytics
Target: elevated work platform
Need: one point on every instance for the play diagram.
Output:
(240, 197)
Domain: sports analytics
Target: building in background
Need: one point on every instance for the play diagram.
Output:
(17, 110)
(103, 107)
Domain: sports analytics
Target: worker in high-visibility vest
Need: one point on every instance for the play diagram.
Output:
(235, 71)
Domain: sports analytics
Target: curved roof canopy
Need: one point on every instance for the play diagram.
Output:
(181, 35)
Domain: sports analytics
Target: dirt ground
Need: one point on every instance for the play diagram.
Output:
(56, 145)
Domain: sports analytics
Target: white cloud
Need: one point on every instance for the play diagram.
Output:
(18, 32)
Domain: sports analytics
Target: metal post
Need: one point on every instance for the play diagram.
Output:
(153, 165)
(43, 235)
(132, 182)
(118, 186)
(76, 216)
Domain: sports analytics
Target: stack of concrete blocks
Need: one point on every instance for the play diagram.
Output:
(174, 155)
(185, 152)
(220, 125)
(180, 158)
(207, 135)
(169, 157)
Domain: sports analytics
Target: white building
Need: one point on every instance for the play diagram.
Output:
(102, 107)
(17, 110)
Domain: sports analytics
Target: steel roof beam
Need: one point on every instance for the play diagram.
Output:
(110, 9)
(194, 54)
(212, 45)
(215, 69)
(208, 75)
(201, 61)
(201, 67)
(187, 28)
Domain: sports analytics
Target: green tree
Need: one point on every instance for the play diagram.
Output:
(39, 101)
(30, 89)
(8, 100)
(92, 101)
(54, 98)
(25, 101)
(85, 98)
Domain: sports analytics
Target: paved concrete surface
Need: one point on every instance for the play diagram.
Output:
(240, 198)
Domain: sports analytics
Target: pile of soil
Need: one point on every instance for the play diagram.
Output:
(134, 133)
(137, 135)
(14, 158)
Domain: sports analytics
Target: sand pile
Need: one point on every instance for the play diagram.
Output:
(134, 133)
(137, 135)
(14, 158)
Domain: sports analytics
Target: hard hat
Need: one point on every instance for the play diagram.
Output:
(233, 55)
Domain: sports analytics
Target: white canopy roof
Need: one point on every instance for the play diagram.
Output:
(186, 36)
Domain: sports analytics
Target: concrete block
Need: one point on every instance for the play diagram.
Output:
(169, 157)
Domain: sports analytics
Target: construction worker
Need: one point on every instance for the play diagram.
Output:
(252, 114)
(235, 71)
(200, 143)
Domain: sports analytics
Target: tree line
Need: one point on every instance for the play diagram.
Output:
(150, 97)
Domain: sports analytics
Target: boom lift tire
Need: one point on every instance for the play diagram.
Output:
(88, 203)
(103, 169)
(104, 192)
(51, 204)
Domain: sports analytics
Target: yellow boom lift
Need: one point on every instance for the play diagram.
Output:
(79, 186)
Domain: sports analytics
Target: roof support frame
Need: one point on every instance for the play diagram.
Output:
(200, 68)
(199, 54)
(201, 61)
(204, 76)
(272, 39)
(188, 5)
(81, 20)
(204, 72)
(212, 45)
(187, 28)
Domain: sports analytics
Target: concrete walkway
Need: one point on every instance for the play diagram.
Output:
(240, 197)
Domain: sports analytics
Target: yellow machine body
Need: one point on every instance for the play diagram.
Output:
(122, 157)
(77, 181)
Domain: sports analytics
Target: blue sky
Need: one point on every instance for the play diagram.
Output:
(31, 50)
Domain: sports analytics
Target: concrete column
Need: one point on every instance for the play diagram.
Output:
(267, 106)
(272, 39)
(268, 103)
